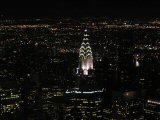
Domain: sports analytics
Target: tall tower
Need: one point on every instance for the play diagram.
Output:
(85, 55)
(84, 101)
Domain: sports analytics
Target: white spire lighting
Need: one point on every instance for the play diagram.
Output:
(85, 55)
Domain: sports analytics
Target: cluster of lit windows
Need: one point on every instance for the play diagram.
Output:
(84, 107)
(10, 100)
(9, 108)
(52, 92)
(127, 108)
(9, 94)
(52, 109)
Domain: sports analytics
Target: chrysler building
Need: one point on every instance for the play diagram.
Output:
(85, 55)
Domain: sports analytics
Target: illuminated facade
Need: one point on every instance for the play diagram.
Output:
(151, 109)
(85, 55)
(10, 101)
(127, 105)
(52, 104)
(83, 105)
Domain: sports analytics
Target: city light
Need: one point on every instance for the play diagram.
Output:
(153, 102)
(85, 92)
(84, 68)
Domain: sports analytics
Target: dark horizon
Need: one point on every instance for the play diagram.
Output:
(136, 9)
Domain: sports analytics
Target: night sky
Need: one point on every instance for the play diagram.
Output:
(136, 8)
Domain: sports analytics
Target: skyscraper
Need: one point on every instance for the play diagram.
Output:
(84, 101)
(85, 55)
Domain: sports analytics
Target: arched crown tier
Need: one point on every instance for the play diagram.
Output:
(85, 55)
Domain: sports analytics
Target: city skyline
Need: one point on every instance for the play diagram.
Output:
(79, 60)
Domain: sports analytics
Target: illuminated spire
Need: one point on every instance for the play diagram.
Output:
(136, 61)
(85, 55)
